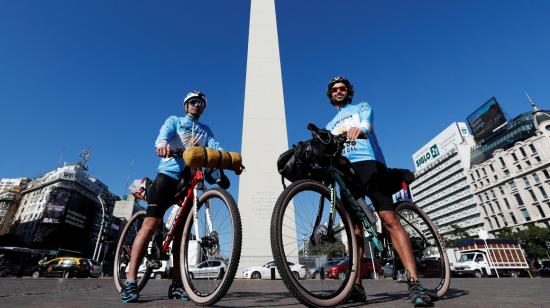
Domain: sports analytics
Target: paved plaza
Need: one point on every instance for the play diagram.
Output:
(464, 292)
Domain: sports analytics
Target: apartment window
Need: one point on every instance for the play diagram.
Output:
(486, 196)
(507, 203)
(484, 172)
(502, 162)
(513, 185)
(526, 181)
(490, 223)
(485, 211)
(493, 194)
(540, 211)
(533, 149)
(528, 163)
(543, 193)
(518, 199)
(513, 218)
(546, 174)
(504, 220)
(477, 172)
(501, 190)
(519, 167)
(514, 157)
(496, 177)
(532, 195)
(496, 220)
(506, 172)
(537, 158)
(491, 208)
(523, 152)
(526, 215)
(472, 177)
(498, 206)
(491, 167)
(536, 178)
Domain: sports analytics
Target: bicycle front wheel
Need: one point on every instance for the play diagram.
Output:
(306, 229)
(124, 251)
(211, 247)
(432, 262)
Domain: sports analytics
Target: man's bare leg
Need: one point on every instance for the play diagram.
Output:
(149, 226)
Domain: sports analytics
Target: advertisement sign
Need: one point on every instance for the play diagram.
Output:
(440, 145)
(486, 120)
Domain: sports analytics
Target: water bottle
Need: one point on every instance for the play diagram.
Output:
(172, 217)
(366, 210)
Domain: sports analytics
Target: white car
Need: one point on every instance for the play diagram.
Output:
(264, 271)
(211, 269)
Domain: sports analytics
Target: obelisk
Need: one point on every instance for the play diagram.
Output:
(264, 135)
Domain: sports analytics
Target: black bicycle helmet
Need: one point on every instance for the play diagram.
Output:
(343, 80)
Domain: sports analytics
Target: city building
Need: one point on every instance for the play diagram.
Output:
(441, 187)
(65, 208)
(510, 174)
(8, 184)
(9, 201)
(124, 209)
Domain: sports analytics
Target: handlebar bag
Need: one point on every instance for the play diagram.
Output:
(198, 157)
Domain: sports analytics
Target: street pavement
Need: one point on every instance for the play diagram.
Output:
(90, 292)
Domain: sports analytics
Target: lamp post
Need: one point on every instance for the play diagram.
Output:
(100, 228)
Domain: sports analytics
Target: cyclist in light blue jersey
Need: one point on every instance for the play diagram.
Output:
(371, 175)
(177, 133)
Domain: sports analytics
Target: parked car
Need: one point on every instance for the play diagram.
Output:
(162, 272)
(315, 272)
(428, 268)
(544, 271)
(339, 271)
(210, 269)
(264, 271)
(95, 268)
(64, 267)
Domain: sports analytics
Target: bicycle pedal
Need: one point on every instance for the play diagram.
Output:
(154, 264)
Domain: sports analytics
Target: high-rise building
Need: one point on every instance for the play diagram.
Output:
(62, 209)
(510, 174)
(441, 187)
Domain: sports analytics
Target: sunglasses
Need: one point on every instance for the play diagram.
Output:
(196, 102)
(336, 89)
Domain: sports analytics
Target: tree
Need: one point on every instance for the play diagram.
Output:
(533, 240)
(457, 234)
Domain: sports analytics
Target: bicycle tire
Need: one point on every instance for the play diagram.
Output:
(445, 274)
(121, 254)
(294, 286)
(227, 280)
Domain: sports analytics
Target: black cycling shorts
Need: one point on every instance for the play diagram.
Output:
(373, 181)
(160, 196)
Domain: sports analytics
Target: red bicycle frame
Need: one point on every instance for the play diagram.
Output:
(198, 177)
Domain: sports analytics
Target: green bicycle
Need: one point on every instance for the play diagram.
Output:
(312, 222)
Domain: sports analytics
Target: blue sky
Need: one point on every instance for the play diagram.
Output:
(105, 75)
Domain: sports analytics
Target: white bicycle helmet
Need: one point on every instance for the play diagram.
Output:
(195, 95)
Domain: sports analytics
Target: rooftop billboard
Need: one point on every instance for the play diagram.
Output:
(486, 120)
(440, 145)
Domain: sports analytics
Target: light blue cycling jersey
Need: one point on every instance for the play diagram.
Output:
(361, 116)
(180, 133)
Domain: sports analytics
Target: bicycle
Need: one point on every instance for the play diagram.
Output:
(212, 234)
(311, 221)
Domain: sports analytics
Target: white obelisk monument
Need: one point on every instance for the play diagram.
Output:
(264, 135)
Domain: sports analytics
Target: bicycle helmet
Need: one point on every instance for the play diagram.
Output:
(194, 95)
(343, 80)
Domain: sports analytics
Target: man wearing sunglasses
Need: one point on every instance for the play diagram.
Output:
(177, 133)
(370, 169)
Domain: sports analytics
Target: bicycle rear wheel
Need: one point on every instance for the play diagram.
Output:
(300, 233)
(124, 251)
(432, 262)
(209, 260)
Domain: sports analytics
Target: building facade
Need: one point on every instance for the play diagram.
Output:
(8, 184)
(441, 186)
(9, 201)
(62, 210)
(510, 174)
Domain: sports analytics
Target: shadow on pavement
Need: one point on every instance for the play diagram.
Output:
(258, 299)
(379, 298)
